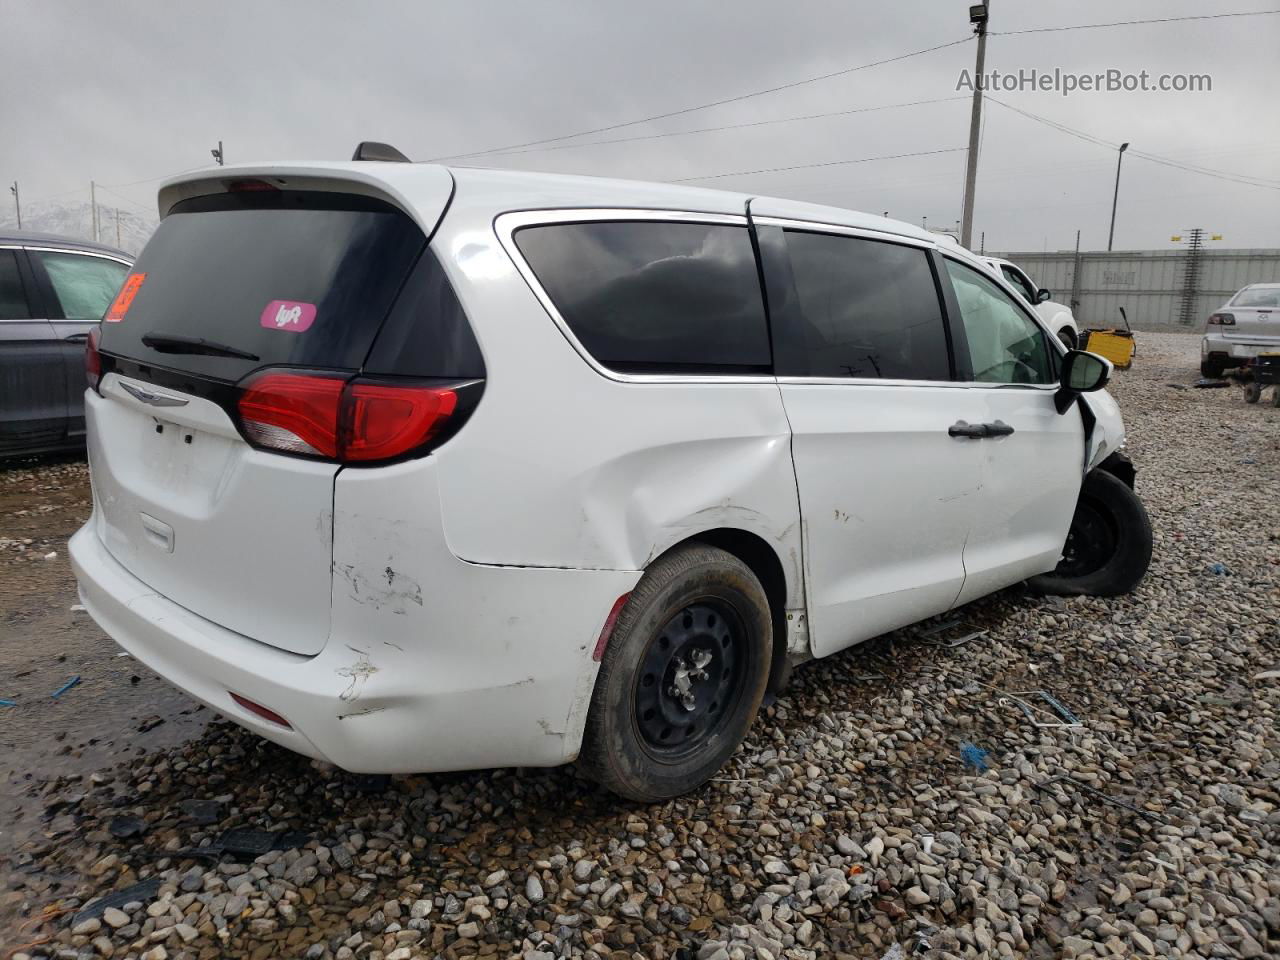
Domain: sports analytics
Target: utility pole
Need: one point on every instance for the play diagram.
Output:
(217, 154)
(93, 201)
(1115, 196)
(978, 16)
(17, 204)
(117, 226)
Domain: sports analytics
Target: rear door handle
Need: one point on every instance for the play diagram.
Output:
(76, 338)
(979, 431)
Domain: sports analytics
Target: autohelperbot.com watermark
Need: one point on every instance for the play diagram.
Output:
(1066, 82)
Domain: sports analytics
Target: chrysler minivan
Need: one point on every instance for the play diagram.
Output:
(415, 468)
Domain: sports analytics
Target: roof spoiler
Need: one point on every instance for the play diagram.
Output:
(373, 150)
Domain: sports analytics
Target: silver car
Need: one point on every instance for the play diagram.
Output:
(53, 291)
(1246, 325)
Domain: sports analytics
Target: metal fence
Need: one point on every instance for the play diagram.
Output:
(1149, 284)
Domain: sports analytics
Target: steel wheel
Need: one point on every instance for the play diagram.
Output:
(689, 676)
(1091, 541)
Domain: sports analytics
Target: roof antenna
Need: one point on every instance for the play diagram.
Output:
(372, 150)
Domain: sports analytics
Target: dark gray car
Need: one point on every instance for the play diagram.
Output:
(53, 291)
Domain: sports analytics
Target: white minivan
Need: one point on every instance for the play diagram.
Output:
(415, 468)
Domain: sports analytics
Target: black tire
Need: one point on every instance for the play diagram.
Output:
(1212, 369)
(1275, 396)
(713, 606)
(1252, 392)
(1108, 549)
(1068, 338)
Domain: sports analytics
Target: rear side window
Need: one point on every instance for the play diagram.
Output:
(237, 281)
(655, 297)
(869, 309)
(13, 301)
(84, 285)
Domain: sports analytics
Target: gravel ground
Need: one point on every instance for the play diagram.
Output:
(895, 801)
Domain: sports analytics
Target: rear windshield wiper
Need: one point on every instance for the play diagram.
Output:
(168, 343)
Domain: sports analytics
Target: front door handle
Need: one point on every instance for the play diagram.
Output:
(979, 431)
(974, 431)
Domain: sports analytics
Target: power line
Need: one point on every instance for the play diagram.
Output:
(827, 163)
(1132, 23)
(732, 126)
(703, 106)
(1227, 175)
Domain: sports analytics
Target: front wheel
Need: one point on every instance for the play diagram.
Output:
(1252, 392)
(682, 676)
(1108, 548)
(1068, 338)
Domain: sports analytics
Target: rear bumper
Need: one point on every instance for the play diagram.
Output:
(1215, 346)
(511, 689)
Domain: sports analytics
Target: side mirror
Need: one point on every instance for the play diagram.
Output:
(1042, 295)
(1082, 372)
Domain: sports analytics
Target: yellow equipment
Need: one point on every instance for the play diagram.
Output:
(1115, 345)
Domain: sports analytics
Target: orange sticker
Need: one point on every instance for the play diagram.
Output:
(124, 298)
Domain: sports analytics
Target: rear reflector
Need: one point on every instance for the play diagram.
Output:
(610, 622)
(325, 415)
(92, 359)
(120, 306)
(259, 710)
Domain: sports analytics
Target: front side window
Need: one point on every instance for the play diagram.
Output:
(13, 301)
(85, 286)
(655, 297)
(869, 309)
(1020, 283)
(1005, 345)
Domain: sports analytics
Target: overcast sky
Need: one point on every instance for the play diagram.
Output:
(122, 92)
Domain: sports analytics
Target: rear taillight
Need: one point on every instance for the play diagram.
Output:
(1222, 320)
(92, 359)
(351, 421)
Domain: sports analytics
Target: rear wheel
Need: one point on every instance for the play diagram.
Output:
(1108, 548)
(1212, 369)
(682, 677)
(1252, 392)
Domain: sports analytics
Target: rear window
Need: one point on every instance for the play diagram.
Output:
(266, 278)
(13, 301)
(1257, 297)
(655, 297)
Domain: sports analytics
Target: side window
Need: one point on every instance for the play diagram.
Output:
(85, 286)
(1005, 345)
(655, 297)
(868, 309)
(1020, 283)
(13, 300)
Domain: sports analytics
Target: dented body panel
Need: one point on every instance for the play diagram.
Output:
(438, 665)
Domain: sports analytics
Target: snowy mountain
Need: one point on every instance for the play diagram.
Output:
(75, 219)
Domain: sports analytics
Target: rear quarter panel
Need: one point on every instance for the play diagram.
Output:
(561, 466)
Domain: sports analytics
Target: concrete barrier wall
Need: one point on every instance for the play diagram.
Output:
(1147, 283)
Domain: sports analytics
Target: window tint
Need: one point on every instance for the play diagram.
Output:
(869, 309)
(1019, 282)
(242, 269)
(13, 302)
(1257, 297)
(85, 286)
(655, 297)
(1005, 345)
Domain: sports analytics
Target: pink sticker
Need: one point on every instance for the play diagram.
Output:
(288, 315)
